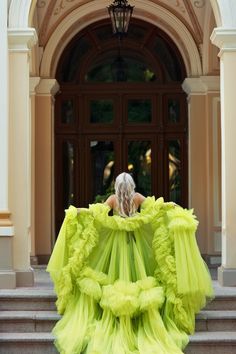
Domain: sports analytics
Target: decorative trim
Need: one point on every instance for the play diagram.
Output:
(46, 20)
(47, 87)
(194, 86)
(5, 219)
(201, 85)
(224, 38)
(212, 83)
(199, 3)
(194, 20)
(21, 40)
(33, 83)
(153, 13)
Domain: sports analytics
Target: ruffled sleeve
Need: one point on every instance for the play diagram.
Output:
(192, 274)
(75, 242)
(149, 212)
(60, 255)
(180, 267)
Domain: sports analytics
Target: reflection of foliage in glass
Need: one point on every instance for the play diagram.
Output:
(102, 153)
(67, 113)
(173, 110)
(101, 111)
(102, 198)
(174, 171)
(139, 111)
(106, 71)
(139, 165)
(68, 173)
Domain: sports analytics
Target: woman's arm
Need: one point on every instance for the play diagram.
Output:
(110, 201)
(138, 199)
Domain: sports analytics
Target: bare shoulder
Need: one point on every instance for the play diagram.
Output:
(111, 201)
(138, 199)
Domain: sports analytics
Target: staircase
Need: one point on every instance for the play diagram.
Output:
(28, 315)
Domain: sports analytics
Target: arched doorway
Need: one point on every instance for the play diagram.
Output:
(120, 109)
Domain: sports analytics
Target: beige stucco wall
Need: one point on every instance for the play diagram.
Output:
(43, 175)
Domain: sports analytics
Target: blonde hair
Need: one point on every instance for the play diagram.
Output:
(125, 190)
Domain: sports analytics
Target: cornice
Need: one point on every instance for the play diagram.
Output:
(21, 39)
(224, 38)
(33, 83)
(47, 87)
(201, 85)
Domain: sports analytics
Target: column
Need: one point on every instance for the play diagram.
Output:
(225, 39)
(34, 81)
(7, 274)
(201, 92)
(20, 41)
(44, 170)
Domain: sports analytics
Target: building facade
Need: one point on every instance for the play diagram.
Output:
(166, 110)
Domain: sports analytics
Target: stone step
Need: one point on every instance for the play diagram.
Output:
(212, 343)
(222, 302)
(44, 321)
(44, 300)
(41, 343)
(28, 300)
(27, 343)
(216, 321)
(28, 321)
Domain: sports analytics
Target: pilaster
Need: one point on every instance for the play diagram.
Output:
(225, 39)
(7, 274)
(201, 92)
(44, 183)
(19, 44)
(33, 83)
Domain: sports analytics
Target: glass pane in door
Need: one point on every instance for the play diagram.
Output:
(139, 111)
(102, 163)
(174, 171)
(139, 165)
(68, 153)
(67, 112)
(101, 111)
(173, 110)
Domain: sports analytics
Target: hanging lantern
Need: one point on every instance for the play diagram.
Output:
(120, 13)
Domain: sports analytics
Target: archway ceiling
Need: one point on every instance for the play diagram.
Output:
(51, 12)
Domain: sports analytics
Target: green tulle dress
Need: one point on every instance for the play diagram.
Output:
(128, 285)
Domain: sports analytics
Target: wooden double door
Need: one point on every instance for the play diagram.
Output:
(107, 130)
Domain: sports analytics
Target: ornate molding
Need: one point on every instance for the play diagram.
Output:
(199, 3)
(21, 39)
(5, 219)
(41, 4)
(83, 16)
(47, 87)
(224, 38)
(33, 83)
(201, 85)
(61, 6)
(194, 20)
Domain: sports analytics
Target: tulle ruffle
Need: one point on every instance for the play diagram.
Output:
(149, 211)
(126, 282)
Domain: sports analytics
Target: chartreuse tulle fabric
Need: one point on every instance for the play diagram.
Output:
(128, 285)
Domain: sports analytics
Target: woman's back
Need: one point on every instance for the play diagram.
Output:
(125, 201)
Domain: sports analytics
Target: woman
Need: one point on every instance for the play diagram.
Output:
(131, 282)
